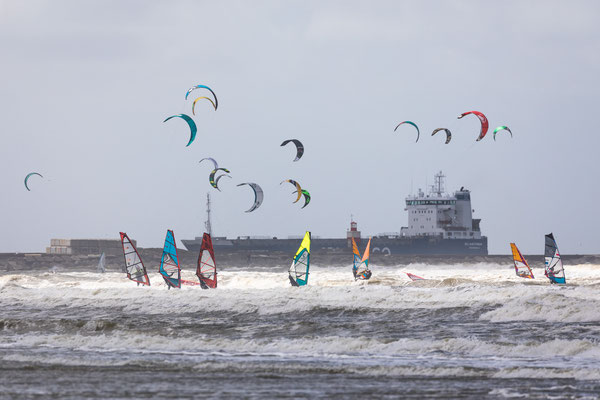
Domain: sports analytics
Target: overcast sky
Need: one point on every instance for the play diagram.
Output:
(85, 86)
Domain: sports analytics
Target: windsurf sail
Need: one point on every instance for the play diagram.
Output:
(362, 271)
(101, 264)
(134, 267)
(521, 267)
(298, 272)
(554, 266)
(207, 268)
(414, 277)
(169, 263)
(356, 258)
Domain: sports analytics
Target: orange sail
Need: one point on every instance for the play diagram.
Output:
(366, 253)
(355, 248)
(521, 267)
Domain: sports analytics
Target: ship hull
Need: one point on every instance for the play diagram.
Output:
(414, 246)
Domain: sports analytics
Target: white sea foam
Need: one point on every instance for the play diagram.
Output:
(242, 291)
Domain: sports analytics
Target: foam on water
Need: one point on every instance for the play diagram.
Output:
(269, 292)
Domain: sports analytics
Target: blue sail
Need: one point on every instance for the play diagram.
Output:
(169, 263)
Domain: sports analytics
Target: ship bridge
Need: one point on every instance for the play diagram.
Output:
(440, 214)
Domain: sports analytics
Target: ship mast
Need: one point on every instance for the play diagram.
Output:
(207, 224)
(438, 188)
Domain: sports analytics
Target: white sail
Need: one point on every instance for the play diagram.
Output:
(101, 264)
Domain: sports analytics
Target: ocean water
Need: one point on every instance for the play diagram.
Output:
(469, 331)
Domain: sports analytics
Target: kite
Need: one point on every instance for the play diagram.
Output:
(299, 147)
(218, 178)
(212, 160)
(484, 122)
(211, 177)
(298, 188)
(306, 198)
(258, 195)
(190, 90)
(411, 123)
(448, 134)
(207, 98)
(502, 128)
(29, 175)
(190, 122)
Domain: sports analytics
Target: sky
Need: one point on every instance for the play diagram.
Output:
(85, 86)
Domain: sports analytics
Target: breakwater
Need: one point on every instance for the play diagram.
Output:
(14, 262)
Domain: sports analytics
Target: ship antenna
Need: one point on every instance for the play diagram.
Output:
(439, 182)
(207, 224)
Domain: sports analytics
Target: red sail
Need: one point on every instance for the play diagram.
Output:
(207, 268)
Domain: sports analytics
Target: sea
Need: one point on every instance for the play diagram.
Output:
(472, 331)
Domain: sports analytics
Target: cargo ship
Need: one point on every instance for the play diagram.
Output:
(438, 223)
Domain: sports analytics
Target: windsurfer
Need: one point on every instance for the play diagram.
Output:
(365, 275)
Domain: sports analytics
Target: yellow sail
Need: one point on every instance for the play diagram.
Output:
(305, 243)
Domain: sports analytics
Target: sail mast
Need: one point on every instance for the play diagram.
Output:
(208, 224)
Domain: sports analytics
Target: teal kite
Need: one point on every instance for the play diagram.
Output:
(190, 90)
(190, 122)
(29, 175)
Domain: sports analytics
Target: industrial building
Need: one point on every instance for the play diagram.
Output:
(86, 246)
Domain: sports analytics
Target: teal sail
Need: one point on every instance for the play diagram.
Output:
(169, 263)
(298, 272)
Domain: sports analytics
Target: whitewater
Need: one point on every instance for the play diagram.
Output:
(467, 331)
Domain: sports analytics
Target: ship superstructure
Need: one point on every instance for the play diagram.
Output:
(439, 214)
